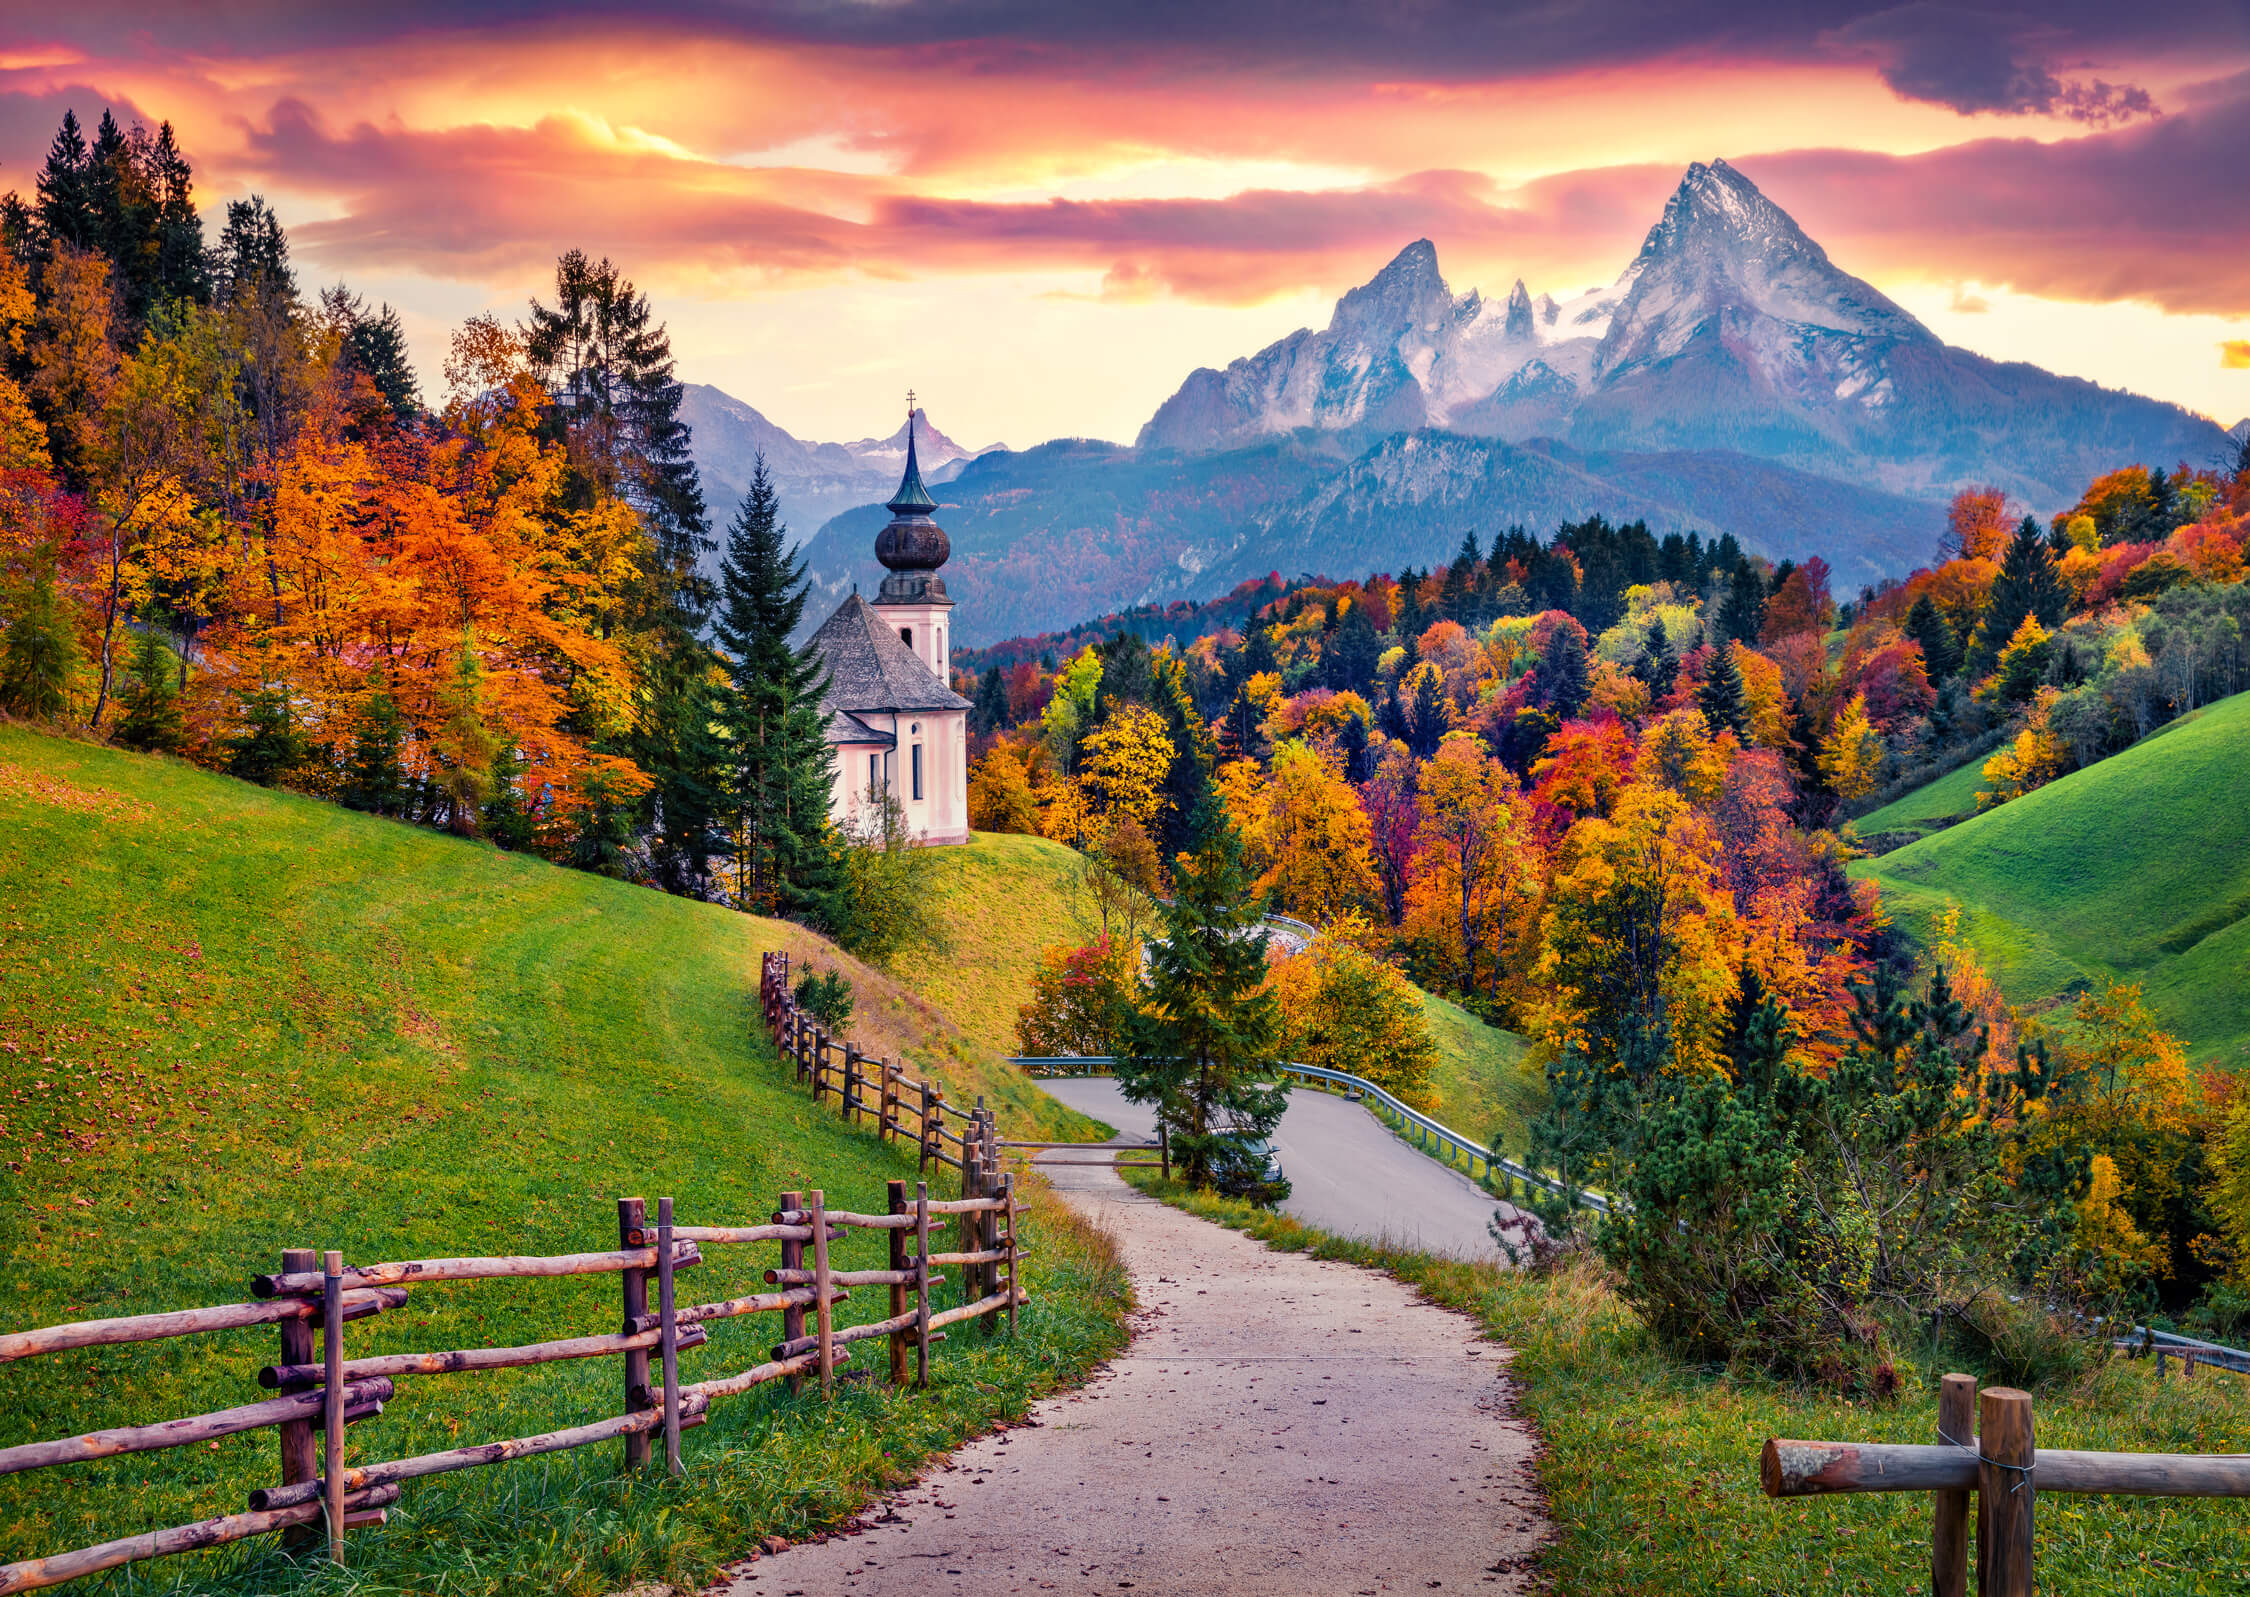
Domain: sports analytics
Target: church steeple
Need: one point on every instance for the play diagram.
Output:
(912, 546)
(912, 498)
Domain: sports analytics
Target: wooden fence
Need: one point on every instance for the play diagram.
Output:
(1987, 1470)
(321, 1392)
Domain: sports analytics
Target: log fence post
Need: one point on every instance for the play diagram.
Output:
(896, 1192)
(888, 1127)
(2005, 1491)
(334, 1398)
(793, 1258)
(668, 1335)
(853, 1081)
(1008, 1191)
(300, 1459)
(921, 1283)
(931, 1106)
(808, 1058)
(1164, 1149)
(1949, 1529)
(632, 1215)
(825, 1317)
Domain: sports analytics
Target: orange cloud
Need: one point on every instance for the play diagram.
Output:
(2234, 354)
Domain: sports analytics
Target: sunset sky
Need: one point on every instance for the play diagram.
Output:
(1043, 215)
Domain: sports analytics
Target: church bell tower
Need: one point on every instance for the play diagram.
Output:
(912, 598)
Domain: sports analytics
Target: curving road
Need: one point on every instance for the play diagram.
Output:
(1347, 1173)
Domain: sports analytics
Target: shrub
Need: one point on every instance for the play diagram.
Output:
(1081, 1000)
(827, 997)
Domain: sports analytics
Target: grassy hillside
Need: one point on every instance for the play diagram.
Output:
(233, 1020)
(1480, 1084)
(2135, 869)
(1932, 806)
(1005, 900)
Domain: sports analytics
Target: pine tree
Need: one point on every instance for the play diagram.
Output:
(1204, 1046)
(1743, 616)
(2027, 586)
(65, 208)
(253, 255)
(1720, 697)
(374, 779)
(674, 740)
(269, 747)
(507, 818)
(39, 659)
(152, 720)
(990, 713)
(374, 344)
(777, 763)
(1658, 668)
(1941, 654)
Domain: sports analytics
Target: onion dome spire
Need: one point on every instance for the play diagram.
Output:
(912, 546)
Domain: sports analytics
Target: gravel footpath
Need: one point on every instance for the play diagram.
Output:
(1280, 1425)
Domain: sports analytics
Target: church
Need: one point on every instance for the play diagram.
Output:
(894, 724)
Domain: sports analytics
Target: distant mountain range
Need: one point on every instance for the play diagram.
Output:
(815, 481)
(1732, 379)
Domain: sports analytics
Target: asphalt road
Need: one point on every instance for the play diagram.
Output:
(1347, 1173)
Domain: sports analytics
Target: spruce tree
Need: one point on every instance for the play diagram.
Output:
(1743, 616)
(374, 344)
(1941, 653)
(2027, 586)
(990, 713)
(1203, 1047)
(253, 255)
(269, 747)
(374, 778)
(507, 818)
(1720, 697)
(778, 767)
(1658, 668)
(39, 660)
(152, 720)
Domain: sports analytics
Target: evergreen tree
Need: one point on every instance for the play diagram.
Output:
(675, 741)
(1561, 680)
(1187, 784)
(39, 659)
(1720, 697)
(990, 712)
(1743, 616)
(1941, 653)
(778, 767)
(1202, 1049)
(374, 778)
(507, 817)
(65, 208)
(604, 832)
(2027, 586)
(253, 255)
(375, 346)
(269, 747)
(152, 719)
(1658, 668)
(1352, 654)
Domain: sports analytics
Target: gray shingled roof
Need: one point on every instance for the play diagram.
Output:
(845, 727)
(870, 669)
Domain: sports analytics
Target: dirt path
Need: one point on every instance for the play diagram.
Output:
(1279, 1426)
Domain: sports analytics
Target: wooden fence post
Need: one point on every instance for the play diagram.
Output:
(332, 1406)
(793, 1258)
(2005, 1451)
(887, 1128)
(300, 1460)
(853, 1081)
(632, 1214)
(1949, 1530)
(668, 1335)
(1008, 1191)
(896, 1191)
(1164, 1149)
(821, 1308)
(808, 1060)
(922, 1283)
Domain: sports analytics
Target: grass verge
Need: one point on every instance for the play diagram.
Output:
(233, 1020)
(1651, 1465)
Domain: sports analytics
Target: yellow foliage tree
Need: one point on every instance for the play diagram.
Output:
(1000, 795)
(1473, 869)
(1343, 1009)
(1126, 759)
(1639, 947)
(2036, 758)
(1316, 836)
(1678, 751)
(1851, 756)
(1765, 698)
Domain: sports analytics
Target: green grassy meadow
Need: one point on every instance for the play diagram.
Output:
(1481, 1084)
(1930, 807)
(1651, 1465)
(1005, 900)
(2136, 869)
(234, 1020)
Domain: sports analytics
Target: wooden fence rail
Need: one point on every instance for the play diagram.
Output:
(320, 1496)
(1986, 1469)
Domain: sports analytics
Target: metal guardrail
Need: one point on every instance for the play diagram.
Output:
(2162, 1343)
(1428, 1133)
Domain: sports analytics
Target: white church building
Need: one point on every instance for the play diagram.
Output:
(894, 724)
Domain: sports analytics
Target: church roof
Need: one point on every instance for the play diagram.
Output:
(869, 668)
(844, 727)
